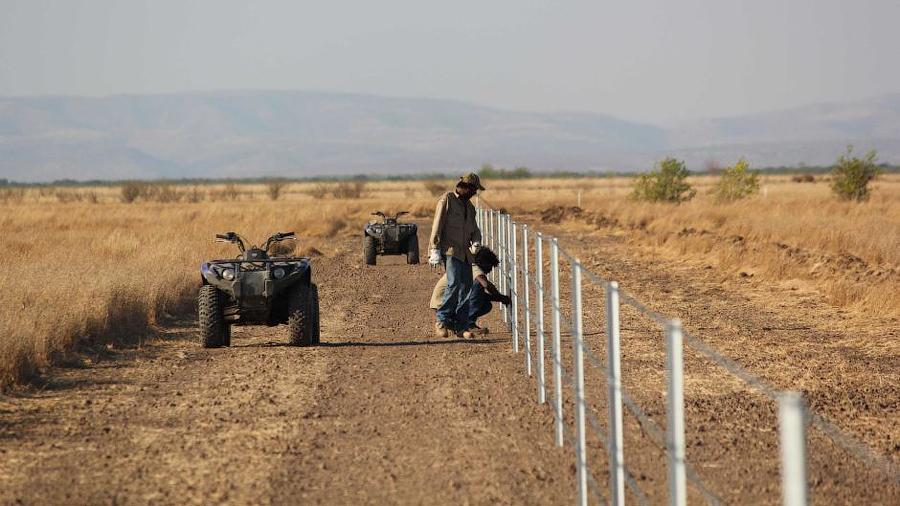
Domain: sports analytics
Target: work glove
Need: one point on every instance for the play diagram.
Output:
(475, 247)
(434, 257)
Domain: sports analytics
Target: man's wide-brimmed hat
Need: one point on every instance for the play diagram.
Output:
(472, 179)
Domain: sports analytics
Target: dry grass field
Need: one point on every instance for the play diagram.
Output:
(85, 268)
(792, 284)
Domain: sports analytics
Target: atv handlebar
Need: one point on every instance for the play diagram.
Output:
(386, 217)
(278, 237)
(233, 238)
(242, 243)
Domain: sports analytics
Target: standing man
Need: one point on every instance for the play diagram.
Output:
(453, 232)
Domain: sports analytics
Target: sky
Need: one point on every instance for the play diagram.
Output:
(657, 61)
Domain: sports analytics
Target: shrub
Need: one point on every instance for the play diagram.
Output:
(851, 175)
(194, 195)
(736, 182)
(14, 195)
(67, 196)
(274, 187)
(228, 192)
(487, 171)
(349, 190)
(435, 188)
(667, 184)
(713, 167)
(131, 191)
(163, 193)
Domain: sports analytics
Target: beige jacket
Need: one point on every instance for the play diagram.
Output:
(437, 293)
(454, 227)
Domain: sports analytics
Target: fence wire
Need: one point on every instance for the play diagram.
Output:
(513, 269)
(857, 448)
(595, 489)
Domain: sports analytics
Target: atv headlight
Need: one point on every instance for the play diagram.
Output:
(228, 274)
(278, 273)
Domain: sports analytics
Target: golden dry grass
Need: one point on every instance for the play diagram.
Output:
(84, 267)
(79, 272)
(850, 251)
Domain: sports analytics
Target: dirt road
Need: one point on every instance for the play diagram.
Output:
(384, 413)
(380, 413)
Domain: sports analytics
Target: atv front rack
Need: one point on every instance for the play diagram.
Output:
(240, 265)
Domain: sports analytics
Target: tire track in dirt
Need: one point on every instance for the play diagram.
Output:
(382, 412)
(422, 419)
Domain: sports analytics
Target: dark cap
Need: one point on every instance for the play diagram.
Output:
(472, 179)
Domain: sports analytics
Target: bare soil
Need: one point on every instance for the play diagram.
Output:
(382, 412)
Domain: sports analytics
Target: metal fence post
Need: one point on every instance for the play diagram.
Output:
(675, 425)
(614, 383)
(578, 353)
(501, 276)
(554, 348)
(792, 432)
(491, 242)
(527, 287)
(539, 290)
(493, 226)
(514, 282)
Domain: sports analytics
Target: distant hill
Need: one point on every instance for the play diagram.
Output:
(266, 133)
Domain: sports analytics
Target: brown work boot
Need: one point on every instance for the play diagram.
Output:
(474, 332)
(441, 330)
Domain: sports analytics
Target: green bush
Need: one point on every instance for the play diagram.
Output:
(667, 184)
(851, 175)
(736, 182)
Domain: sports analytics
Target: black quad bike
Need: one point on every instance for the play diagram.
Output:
(258, 288)
(390, 237)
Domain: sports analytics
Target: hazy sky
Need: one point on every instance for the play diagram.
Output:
(652, 60)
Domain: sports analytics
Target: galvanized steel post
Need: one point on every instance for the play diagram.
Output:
(554, 349)
(792, 434)
(491, 243)
(527, 286)
(514, 282)
(539, 291)
(675, 415)
(492, 228)
(504, 264)
(614, 383)
(578, 353)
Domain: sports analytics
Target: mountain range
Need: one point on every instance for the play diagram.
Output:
(298, 134)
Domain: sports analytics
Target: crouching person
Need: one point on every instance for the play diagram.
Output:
(477, 302)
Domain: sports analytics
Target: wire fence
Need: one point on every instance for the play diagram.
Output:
(520, 249)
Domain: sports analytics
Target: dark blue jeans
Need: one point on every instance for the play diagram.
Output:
(477, 304)
(453, 313)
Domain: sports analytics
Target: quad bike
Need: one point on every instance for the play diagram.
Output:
(257, 288)
(390, 237)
